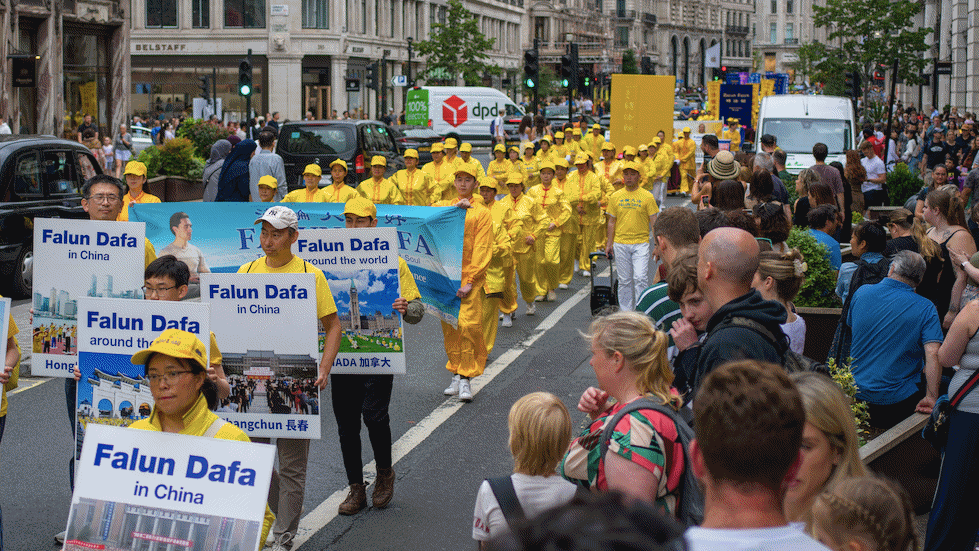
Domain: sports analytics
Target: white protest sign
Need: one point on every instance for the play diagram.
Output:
(4, 325)
(361, 266)
(113, 391)
(75, 259)
(266, 324)
(189, 491)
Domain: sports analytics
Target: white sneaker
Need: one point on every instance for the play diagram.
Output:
(60, 537)
(562, 286)
(586, 273)
(501, 315)
(507, 320)
(453, 387)
(465, 393)
(531, 309)
(539, 298)
(551, 296)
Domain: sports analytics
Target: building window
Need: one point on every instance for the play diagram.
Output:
(419, 19)
(789, 32)
(363, 16)
(161, 14)
(540, 28)
(774, 6)
(377, 17)
(201, 14)
(788, 6)
(248, 14)
(622, 37)
(393, 7)
(316, 14)
(773, 34)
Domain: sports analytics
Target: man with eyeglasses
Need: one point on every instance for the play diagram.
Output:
(167, 278)
(280, 229)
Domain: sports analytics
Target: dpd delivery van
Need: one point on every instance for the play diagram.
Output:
(798, 122)
(464, 112)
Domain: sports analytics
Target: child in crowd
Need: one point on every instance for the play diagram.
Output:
(109, 153)
(865, 514)
(540, 431)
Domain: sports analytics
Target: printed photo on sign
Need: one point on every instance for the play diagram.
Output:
(113, 391)
(429, 239)
(148, 490)
(74, 259)
(267, 327)
(361, 266)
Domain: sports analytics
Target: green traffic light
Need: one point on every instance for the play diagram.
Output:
(564, 83)
(530, 83)
(245, 89)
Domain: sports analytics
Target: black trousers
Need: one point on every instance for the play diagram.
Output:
(886, 416)
(368, 396)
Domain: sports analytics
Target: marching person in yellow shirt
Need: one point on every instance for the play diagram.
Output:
(631, 213)
(593, 142)
(545, 155)
(500, 167)
(513, 155)
(465, 157)
(451, 150)
(645, 160)
(570, 229)
(495, 287)
(414, 184)
(629, 154)
(586, 209)
(686, 151)
(573, 143)
(312, 192)
(559, 148)
(554, 213)
(663, 158)
(338, 191)
(528, 166)
(267, 186)
(464, 344)
(609, 167)
(377, 188)
(733, 133)
(522, 226)
(440, 172)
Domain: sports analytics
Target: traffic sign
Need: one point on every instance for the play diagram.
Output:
(399, 80)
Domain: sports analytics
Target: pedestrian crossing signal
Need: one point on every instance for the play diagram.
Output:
(245, 78)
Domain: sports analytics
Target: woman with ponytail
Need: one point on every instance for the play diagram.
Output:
(944, 212)
(644, 459)
(867, 244)
(779, 278)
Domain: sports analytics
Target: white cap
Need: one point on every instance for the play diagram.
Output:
(280, 217)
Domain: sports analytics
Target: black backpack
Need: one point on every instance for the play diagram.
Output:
(865, 274)
(792, 361)
(690, 504)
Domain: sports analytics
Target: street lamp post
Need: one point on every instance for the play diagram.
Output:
(409, 84)
(410, 52)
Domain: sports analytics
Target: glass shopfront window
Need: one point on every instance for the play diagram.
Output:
(163, 88)
(86, 80)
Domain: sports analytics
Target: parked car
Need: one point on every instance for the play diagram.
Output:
(40, 177)
(419, 138)
(142, 138)
(321, 142)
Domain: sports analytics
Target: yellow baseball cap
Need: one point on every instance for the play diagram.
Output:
(686, 129)
(527, 145)
(313, 169)
(466, 146)
(438, 148)
(514, 148)
(581, 159)
(360, 206)
(608, 146)
(514, 178)
(135, 168)
(547, 165)
(489, 181)
(643, 147)
(466, 168)
(411, 153)
(562, 162)
(177, 344)
(451, 143)
(546, 139)
(656, 141)
(576, 132)
(268, 181)
(596, 126)
(379, 160)
(340, 163)
(499, 147)
(559, 135)
(632, 165)
(629, 150)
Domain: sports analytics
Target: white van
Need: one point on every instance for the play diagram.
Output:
(798, 122)
(464, 112)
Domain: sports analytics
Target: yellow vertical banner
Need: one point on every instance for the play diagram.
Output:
(714, 99)
(89, 96)
(755, 104)
(641, 106)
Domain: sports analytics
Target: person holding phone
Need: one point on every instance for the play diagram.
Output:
(721, 167)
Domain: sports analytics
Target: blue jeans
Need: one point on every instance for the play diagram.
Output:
(952, 524)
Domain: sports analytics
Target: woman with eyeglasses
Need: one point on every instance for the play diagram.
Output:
(184, 397)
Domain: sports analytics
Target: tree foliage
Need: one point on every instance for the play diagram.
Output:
(873, 32)
(817, 65)
(457, 47)
(629, 64)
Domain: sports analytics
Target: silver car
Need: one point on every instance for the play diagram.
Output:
(142, 138)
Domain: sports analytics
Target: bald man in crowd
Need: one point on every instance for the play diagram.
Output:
(744, 325)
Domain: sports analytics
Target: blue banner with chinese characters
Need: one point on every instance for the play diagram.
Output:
(225, 236)
(736, 101)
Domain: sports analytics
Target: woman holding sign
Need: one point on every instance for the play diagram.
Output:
(183, 395)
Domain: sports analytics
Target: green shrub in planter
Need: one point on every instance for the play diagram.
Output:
(202, 135)
(151, 158)
(902, 184)
(177, 157)
(818, 290)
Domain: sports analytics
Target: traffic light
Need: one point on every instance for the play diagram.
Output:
(585, 78)
(647, 65)
(851, 84)
(371, 76)
(245, 78)
(205, 87)
(531, 67)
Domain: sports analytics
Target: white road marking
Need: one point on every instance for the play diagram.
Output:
(326, 511)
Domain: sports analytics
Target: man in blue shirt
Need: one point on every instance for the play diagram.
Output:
(896, 333)
(822, 225)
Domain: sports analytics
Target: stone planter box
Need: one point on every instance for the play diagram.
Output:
(902, 455)
(820, 326)
(172, 189)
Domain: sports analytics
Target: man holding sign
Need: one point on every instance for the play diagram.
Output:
(280, 229)
(370, 395)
